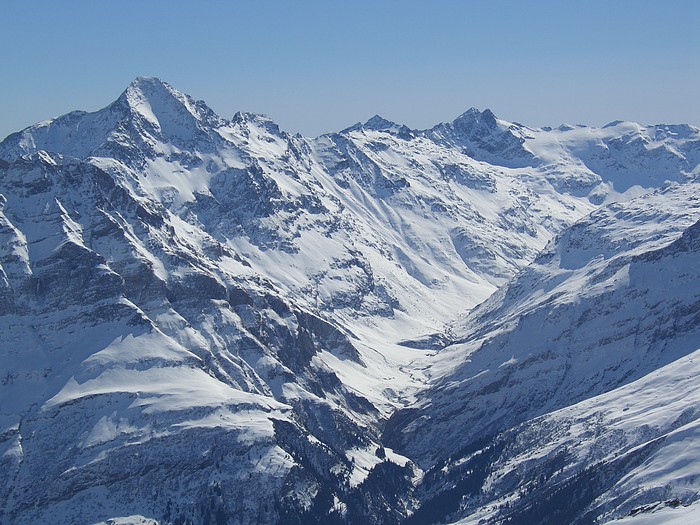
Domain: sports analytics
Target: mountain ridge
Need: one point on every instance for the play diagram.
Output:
(296, 306)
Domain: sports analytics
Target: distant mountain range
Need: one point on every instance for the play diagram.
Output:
(209, 320)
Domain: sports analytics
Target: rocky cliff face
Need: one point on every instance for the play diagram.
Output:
(196, 311)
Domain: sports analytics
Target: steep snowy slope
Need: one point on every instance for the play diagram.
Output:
(403, 218)
(629, 453)
(197, 310)
(377, 226)
(139, 352)
(457, 226)
(612, 301)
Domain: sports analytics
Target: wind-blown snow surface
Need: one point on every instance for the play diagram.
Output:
(197, 310)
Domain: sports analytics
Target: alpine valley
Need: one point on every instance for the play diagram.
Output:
(211, 321)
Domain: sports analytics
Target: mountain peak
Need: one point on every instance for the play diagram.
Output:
(145, 92)
(377, 123)
(165, 108)
(246, 118)
(150, 89)
(146, 82)
(249, 116)
(474, 117)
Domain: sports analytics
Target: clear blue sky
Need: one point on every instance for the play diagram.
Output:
(317, 66)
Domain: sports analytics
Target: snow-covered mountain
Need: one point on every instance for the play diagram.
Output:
(197, 309)
(572, 380)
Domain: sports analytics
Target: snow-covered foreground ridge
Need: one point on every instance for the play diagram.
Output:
(196, 311)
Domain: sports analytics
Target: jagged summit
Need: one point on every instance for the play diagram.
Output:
(473, 117)
(149, 90)
(155, 91)
(166, 109)
(148, 110)
(246, 118)
(481, 135)
(379, 123)
(149, 83)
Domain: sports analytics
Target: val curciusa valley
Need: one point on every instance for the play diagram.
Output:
(211, 320)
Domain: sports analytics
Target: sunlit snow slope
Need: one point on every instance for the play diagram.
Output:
(573, 396)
